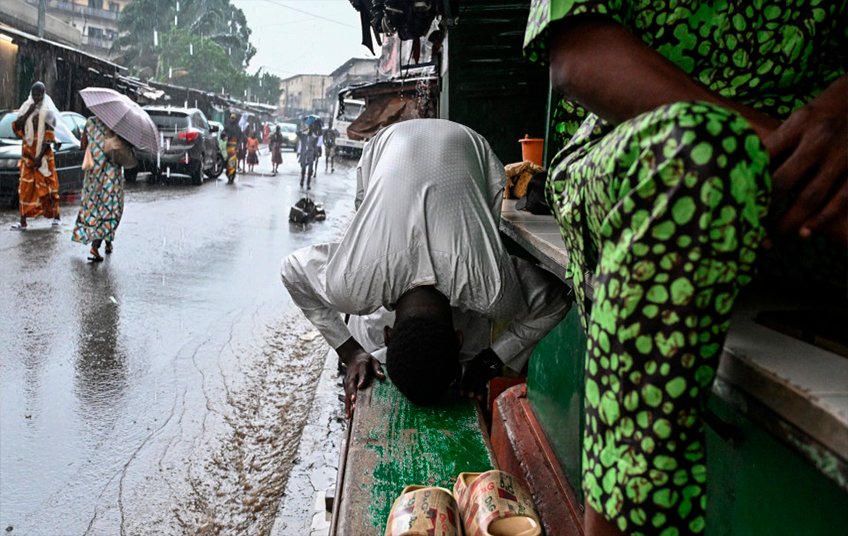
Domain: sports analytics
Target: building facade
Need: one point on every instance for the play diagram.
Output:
(353, 71)
(96, 20)
(305, 94)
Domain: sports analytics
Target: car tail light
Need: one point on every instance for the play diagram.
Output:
(189, 136)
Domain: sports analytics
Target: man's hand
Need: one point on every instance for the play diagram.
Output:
(485, 366)
(809, 154)
(361, 368)
(36, 162)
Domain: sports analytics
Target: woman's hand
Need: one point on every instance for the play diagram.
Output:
(809, 154)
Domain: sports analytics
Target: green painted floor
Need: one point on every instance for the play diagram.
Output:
(394, 443)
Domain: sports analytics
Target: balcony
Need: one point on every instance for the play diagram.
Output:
(70, 7)
(97, 42)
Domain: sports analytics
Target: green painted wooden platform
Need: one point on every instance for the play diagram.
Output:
(392, 443)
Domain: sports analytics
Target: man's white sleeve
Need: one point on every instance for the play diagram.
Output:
(304, 275)
(548, 300)
(363, 173)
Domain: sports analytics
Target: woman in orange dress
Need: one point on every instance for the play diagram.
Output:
(38, 188)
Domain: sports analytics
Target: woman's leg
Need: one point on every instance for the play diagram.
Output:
(94, 251)
(666, 210)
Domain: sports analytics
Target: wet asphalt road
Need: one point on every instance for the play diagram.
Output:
(162, 391)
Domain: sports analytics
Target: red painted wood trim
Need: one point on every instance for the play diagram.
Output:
(522, 449)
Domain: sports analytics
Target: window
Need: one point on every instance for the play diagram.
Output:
(169, 121)
(200, 121)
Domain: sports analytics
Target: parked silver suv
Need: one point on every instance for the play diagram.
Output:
(189, 146)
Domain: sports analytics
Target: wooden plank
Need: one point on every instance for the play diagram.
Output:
(393, 443)
(522, 448)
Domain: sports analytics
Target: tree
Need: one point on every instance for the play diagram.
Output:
(136, 30)
(265, 87)
(147, 27)
(198, 62)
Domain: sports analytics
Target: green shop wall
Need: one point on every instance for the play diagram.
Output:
(486, 82)
(555, 390)
(757, 484)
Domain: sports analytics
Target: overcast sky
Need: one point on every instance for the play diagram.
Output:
(302, 36)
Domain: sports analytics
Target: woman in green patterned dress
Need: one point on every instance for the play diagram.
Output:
(102, 194)
(680, 115)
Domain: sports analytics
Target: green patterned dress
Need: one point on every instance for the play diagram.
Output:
(102, 191)
(666, 213)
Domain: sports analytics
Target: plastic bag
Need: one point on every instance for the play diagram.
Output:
(119, 152)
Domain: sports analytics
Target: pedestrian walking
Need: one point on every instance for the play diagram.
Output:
(276, 147)
(242, 152)
(233, 133)
(252, 150)
(330, 149)
(118, 124)
(38, 186)
(308, 141)
(319, 144)
(102, 192)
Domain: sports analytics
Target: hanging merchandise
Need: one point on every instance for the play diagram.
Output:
(408, 19)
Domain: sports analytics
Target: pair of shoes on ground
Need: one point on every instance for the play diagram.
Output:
(18, 227)
(493, 503)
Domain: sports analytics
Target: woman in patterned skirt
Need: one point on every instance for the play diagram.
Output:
(102, 194)
(233, 134)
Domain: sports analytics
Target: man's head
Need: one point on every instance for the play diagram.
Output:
(422, 357)
(277, 130)
(37, 91)
(233, 118)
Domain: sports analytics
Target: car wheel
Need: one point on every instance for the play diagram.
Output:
(218, 168)
(197, 173)
(130, 175)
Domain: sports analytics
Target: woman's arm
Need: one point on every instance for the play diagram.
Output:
(21, 121)
(599, 64)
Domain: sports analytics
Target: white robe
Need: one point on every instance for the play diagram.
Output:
(429, 196)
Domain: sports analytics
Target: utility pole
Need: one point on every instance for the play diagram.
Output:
(42, 9)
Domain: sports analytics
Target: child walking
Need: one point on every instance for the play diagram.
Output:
(252, 151)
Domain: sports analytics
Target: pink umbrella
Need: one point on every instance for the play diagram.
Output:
(123, 116)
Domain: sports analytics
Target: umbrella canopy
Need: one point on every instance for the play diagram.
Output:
(123, 116)
(309, 119)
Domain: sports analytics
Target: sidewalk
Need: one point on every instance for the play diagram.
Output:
(302, 509)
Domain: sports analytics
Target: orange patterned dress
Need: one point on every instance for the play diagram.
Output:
(38, 194)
